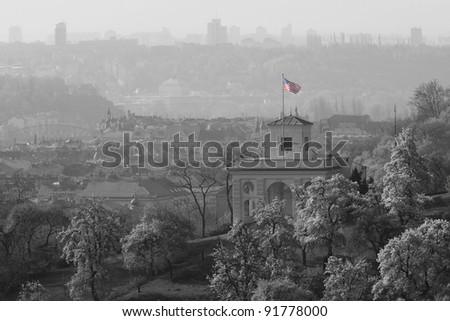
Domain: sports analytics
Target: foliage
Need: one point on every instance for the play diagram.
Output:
(374, 225)
(33, 291)
(275, 232)
(92, 236)
(347, 281)
(237, 271)
(375, 159)
(430, 100)
(322, 208)
(19, 189)
(433, 136)
(405, 180)
(25, 96)
(30, 228)
(280, 290)
(153, 244)
(140, 248)
(416, 265)
(362, 182)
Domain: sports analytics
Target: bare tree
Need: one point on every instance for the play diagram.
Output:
(18, 189)
(200, 183)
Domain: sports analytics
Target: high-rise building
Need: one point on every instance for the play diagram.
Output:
(313, 40)
(216, 33)
(15, 34)
(416, 36)
(260, 34)
(60, 34)
(286, 35)
(360, 39)
(234, 34)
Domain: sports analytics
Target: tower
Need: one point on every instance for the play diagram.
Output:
(416, 36)
(265, 181)
(60, 34)
(15, 34)
(216, 33)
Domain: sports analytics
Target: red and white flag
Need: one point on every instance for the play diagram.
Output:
(291, 86)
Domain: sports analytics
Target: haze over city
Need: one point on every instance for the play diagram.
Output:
(37, 18)
(214, 150)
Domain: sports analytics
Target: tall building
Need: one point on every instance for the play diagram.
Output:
(234, 34)
(216, 33)
(313, 40)
(60, 34)
(15, 34)
(416, 36)
(286, 35)
(260, 34)
(360, 39)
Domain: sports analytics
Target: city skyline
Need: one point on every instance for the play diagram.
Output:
(37, 21)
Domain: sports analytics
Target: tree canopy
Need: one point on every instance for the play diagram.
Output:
(416, 265)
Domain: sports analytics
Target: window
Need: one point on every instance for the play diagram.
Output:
(249, 206)
(248, 187)
(286, 144)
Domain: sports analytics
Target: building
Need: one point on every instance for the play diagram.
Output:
(216, 33)
(15, 34)
(173, 88)
(286, 35)
(313, 40)
(260, 33)
(416, 36)
(360, 39)
(264, 183)
(346, 124)
(60, 34)
(234, 34)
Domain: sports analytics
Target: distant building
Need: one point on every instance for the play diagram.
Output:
(444, 41)
(360, 39)
(110, 34)
(313, 40)
(216, 33)
(60, 34)
(251, 185)
(416, 36)
(346, 124)
(15, 34)
(234, 34)
(286, 35)
(337, 39)
(260, 34)
(173, 88)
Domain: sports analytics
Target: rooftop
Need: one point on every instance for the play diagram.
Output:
(289, 120)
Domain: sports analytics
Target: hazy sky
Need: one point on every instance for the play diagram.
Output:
(38, 17)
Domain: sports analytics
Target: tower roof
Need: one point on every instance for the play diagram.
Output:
(289, 120)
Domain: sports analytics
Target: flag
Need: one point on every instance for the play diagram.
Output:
(291, 86)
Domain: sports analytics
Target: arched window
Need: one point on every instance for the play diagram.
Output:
(248, 187)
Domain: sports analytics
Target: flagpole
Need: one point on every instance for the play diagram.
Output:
(395, 120)
(282, 113)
